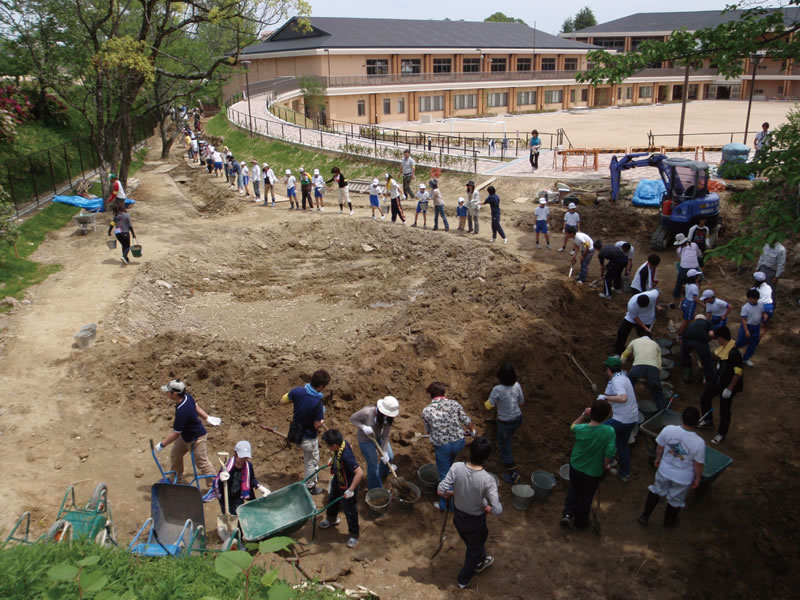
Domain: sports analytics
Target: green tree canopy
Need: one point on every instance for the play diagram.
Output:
(583, 19)
(499, 17)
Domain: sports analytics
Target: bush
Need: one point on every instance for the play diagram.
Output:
(16, 103)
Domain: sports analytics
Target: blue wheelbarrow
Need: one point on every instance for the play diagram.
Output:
(172, 476)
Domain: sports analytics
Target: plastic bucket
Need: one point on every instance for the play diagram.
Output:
(408, 495)
(563, 473)
(136, 250)
(428, 476)
(378, 500)
(521, 496)
(111, 244)
(543, 483)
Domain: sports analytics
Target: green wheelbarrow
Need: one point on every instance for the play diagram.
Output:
(283, 512)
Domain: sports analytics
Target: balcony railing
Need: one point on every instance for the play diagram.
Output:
(416, 78)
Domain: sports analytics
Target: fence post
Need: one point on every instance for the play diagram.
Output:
(267, 120)
(351, 130)
(33, 180)
(52, 172)
(66, 162)
(283, 137)
(474, 158)
(376, 146)
(300, 129)
(321, 145)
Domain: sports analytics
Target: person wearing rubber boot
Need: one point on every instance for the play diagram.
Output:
(474, 492)
(507, 397)
(374, 424)
(726, 384)
(346, 477)
(680, 458)
(595, 446)
(625, 412)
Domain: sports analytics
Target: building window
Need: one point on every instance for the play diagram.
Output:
(497, 99)
(548, 64)
(584, 95)
(526, 98)
(572, 96)
(387, 106)
(401, 105)
(692, 92)
(472, 65)
(625, 92)
(362, 108)
(498, 64)
(465, 101)
(553, 96)
(431, 103)
(442, 65)
(523, 64)
(611, 43)
(645, 91)
(377, 66)
(570, 64)
(410, 66)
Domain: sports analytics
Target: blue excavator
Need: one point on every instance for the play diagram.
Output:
(687, 198)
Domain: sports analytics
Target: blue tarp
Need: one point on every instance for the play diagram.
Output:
(90, 204)
(649, 192)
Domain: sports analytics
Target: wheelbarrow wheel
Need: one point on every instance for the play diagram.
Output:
(98, 501)
(107, 537)
(232, 543)
(58, 531)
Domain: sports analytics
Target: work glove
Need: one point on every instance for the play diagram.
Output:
(214, 421)
(349, 494)
(264, 491)
(601, 397)
(159, 447)
(385, 459)
(367, 430)
(393, 468)
(726, 393)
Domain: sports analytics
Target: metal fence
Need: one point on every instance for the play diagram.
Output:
(713, 138)
(34, 179)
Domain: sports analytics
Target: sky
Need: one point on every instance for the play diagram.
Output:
(548, 17)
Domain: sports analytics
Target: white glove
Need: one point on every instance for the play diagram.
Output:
(159, 447)
(726, 393)
(601, 397)
(214, 421)
(385, 459)
(367, 430)
(393, 468)
(264, 491)
(349, 494)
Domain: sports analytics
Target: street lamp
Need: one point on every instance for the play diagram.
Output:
(755, 59)
(246, 65)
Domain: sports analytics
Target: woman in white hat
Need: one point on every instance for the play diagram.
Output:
(689, 255)
(374, 423)
(239, 476)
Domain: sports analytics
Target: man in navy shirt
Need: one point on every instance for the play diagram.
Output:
(611, 272)
(309, 414)
(187, 431)
(346, 477)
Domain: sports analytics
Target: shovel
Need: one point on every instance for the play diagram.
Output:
(569, 275)
(276, 432)
(227, 523)
(572, 358)
(442, 536)
(399, 482)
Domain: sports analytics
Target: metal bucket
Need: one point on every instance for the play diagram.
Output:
(521, 496)
(378, 500)
(111, 244)
(428, 476)
(136, 250)
(543, 483)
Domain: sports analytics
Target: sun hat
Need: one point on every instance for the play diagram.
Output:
(693, 273)
(759, 276)
(571, 205)
(422, 186)
(460, 200)
(375, 181)
(700, 317)
(254, 161)
(176, 385)
(542, 201)
(265, 165)
(707, 294)
(316, 171)
(680, 239)
(389, 406)
(288, 171)
(243, 449)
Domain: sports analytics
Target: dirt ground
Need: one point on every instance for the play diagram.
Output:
(628, 126)
(244, 302)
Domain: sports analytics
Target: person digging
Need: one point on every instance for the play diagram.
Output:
(239, 477)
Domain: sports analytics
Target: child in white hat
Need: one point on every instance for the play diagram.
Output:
(542, 219)
(423, 197)
(319, 189)
(375, 197)
(572, 224)
(291, 190)
(461, 213)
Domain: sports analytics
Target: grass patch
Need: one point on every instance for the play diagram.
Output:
(282, 155)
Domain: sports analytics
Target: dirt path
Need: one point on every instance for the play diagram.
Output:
(244, 302)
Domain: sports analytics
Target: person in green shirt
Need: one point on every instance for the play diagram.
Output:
(595, 446)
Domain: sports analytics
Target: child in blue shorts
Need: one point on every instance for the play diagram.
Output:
(542, 218)
(375, 197)
(291, 190)
(318, 181)
(461, 213)
(691, 299)
(423, 198)
(752, 316)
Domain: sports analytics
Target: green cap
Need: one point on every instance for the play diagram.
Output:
(613, 362)
(112, 175)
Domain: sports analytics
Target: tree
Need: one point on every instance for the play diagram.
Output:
(313, 96)
(771, 207)
(499, 17)
(568, 26)
(9, 227)
(585, 18)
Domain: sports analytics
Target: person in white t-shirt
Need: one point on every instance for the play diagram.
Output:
(423, 198)
(641, 314)
(375, 196)
(625, 412)
(680, 458)
(318, 181)
(586, 245)
(542, 221)
(245, 185)
(256, 174)
(269, 183)
(717, 309)
(572, 224)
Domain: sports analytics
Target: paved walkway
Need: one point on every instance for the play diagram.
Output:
(266, 124)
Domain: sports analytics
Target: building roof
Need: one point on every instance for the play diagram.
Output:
(336, 32)
(667, 22)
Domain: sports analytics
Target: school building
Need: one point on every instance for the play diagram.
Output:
(379, 70)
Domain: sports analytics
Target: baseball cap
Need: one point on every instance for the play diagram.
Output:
(693, 273)
(760, 276)
(375, 181)
(112, 175)
(176, 385)
(422, 186)
(389, 406)
(288, 171)
(460, 200)
(571, 205)
(316, 171)
(542, 201)
(707, 294)
(613, 362)
(243, 449)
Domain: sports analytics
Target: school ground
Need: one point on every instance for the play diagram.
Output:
(245, 302)
(626, 126)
